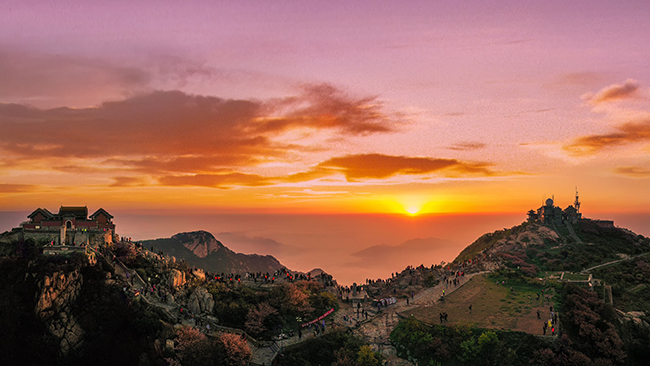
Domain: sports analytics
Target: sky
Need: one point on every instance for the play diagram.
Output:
(325, 107)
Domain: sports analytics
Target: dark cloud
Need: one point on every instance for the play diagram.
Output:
(325, 107)
(628, 133)
(172, 132)
(464, 146)
(226, 180)
(353, 167)
(633, 171)
(614, 92)
(377, 166)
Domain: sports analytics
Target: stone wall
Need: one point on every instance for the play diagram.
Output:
(43, 237)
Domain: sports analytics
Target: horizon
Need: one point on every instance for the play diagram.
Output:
(351, 247)
(326, 108)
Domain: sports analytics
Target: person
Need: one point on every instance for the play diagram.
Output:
(544, 328)
(470, 308)
(441, 317)
(553, 331)
(407, 301)
(538, 317)
(300, 333)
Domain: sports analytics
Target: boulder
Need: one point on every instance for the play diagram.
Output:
(176, 278)
(201, 301)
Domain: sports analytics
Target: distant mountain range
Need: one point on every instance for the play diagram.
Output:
(378, 258)
(258, 245)
(201, 249)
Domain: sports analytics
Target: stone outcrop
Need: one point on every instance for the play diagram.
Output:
(57, 293)
(200, 301)
(176, 278)
(198, 273)
(636, 317)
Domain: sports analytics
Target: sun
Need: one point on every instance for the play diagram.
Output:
(413, 210)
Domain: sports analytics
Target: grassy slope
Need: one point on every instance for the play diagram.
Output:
(493, 306)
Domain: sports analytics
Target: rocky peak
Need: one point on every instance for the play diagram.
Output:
(201, 243)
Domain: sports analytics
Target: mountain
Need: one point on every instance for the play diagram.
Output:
(201, 243)
(258, 245)
(201, 249)
(425, 250)
(571, 247)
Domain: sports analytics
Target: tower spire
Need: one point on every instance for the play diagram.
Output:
(576, 204)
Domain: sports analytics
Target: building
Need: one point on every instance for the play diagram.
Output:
(70, 226)
(550, 214)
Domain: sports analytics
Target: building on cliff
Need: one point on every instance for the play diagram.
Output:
(550, 214)
(71, 226)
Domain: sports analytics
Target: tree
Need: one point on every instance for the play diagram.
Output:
(366, 357)
(193, 348)
(255, 318)
(236, 349)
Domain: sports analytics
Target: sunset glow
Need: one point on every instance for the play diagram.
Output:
(324, 107)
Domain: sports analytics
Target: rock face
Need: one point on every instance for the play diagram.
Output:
(201, 243)
(176, 278)
(57, 293)
(200, 301)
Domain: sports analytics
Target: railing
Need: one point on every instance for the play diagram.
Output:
(63, 249)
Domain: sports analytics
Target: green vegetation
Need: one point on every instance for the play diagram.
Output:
(588, 337)
(630, 281)
(462, 345)
(600, 245)
(193, 348)
(334, 348)
(268, 312)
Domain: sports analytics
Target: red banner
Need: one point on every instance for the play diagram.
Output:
(330, 311)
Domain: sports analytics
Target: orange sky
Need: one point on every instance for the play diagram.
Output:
(367, 107)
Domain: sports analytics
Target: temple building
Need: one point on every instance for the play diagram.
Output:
(70, 226)
(550, 214)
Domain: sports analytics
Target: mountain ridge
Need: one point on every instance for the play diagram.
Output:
(201, 249)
